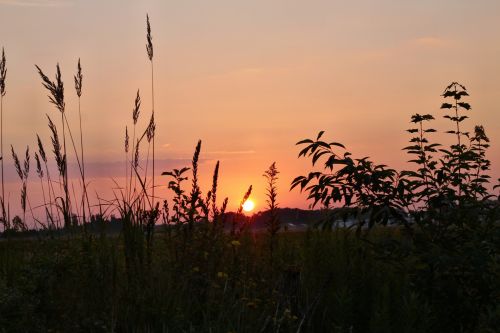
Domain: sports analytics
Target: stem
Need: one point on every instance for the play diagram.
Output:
(84, 194)
(67, 220)
(478, 165)
(154, 132)
(424, 157)
(1, 154)
(132, 158)
(51, 187)
(459, 149)
(126, 175)
(44, 200)
(80, 164)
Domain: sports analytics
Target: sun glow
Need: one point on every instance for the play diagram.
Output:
(248, 206)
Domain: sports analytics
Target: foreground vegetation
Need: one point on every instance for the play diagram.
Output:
(422, 255)
(319, 282)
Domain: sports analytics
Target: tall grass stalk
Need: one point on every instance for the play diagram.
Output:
(3, 76)
(56, 97)
(135, 145)
(240, 211)
(39, 171)
(78, 87)
(23, 172)
(149, 49)
(50, 186)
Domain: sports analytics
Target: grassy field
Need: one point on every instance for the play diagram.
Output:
(206, 281)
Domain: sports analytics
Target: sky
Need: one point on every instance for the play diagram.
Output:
(248, 78)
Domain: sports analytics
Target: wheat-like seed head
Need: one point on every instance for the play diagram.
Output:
(149, 45)
(78, 79)
(3, 73)
(16, 162)
(245, 198)
(150, 132)
(224, 206)
(137, 108)
(41, 150)
(126, 139)
(23, 197)
(60, 158)
(39, 169)
(136, 155)
(55, 88)
(214, 188)
(26, 170)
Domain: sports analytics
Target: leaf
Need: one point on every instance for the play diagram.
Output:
(304, 141)
(465, 105)
(337, 144)
(320, 134)
(446, 106)
(449, 93)
(415, 147)
(304, 151)
(317, 156)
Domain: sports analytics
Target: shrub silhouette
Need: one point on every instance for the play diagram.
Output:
(449, 219)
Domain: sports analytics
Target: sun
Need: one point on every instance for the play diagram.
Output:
(248, 206)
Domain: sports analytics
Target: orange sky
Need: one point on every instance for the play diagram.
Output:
(250, 78)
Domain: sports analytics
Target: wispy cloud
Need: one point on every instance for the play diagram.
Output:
(231, 152)
(431, 41)
(36, 3)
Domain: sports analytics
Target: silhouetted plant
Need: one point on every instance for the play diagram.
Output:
(78, 88)
(273, 224)
(180, 200)
(239, 212)
(50, 187)
(56, 97)
(23, 172)
(376, 191)
(195, 195)
(449, 218)
(3, 77)
(149, 49)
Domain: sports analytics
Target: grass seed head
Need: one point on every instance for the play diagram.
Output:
(78, 80)
(149, 45)
(56, 88)
(3, 73)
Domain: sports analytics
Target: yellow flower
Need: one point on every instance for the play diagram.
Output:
(222, 275)
(235, 243)
(196, 269)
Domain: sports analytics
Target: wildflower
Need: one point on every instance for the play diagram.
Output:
(235, 243)
(196, 269)
(222, 275)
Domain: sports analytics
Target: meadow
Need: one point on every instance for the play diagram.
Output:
(423, 255)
